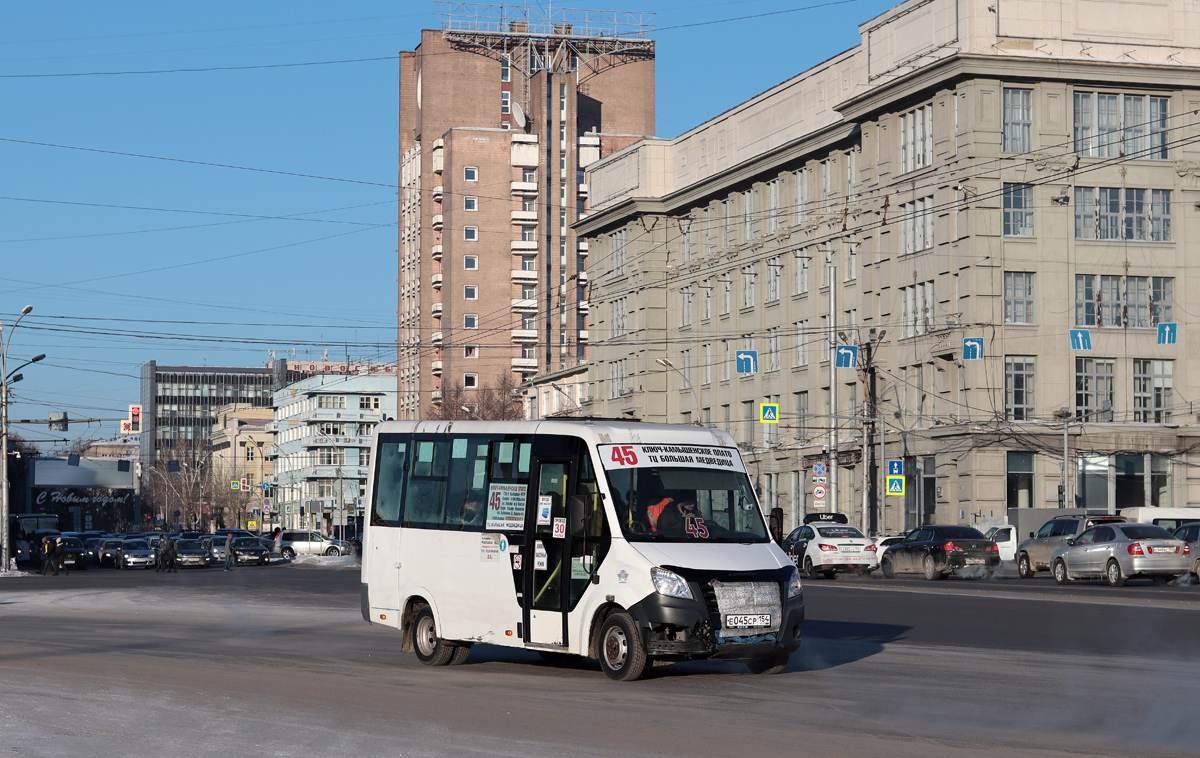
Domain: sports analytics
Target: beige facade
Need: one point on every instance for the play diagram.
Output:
(242, 445)
(951, 197)
(495, 129)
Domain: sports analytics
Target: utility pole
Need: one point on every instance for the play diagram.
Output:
(5, 553)
(833, 393)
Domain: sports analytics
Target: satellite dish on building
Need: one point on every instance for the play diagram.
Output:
(518, 115)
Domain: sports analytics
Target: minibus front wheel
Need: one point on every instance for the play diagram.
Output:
(622, 654)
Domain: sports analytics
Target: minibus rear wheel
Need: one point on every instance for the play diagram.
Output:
(622, 655)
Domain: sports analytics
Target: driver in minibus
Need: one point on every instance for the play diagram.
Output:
(672, 514)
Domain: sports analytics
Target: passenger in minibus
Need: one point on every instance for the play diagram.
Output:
(472, 509)
(673, 518)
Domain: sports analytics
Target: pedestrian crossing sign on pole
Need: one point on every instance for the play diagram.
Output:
(768, 413)
(895, 485)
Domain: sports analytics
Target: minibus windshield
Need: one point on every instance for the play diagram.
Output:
(685, 504)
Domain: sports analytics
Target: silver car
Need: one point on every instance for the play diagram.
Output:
(135, 553)
(292, 543)
(1190, 533)
(1035, 553)
(1119, 552)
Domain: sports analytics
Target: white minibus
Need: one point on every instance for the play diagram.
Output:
(614, 540)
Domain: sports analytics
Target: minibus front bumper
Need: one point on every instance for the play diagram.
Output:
(692, 627)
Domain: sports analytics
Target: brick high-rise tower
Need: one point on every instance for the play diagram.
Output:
(500, 111)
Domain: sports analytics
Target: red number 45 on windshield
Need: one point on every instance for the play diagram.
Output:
(623, 455)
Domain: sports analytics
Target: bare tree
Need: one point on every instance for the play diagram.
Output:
(181, 480)
(497, 402)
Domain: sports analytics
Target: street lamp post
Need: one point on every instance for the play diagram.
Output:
(5, 555)
(686, 383)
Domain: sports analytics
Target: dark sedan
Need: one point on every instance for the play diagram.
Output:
(191, 553)
(938, 551)
(250, 550)
(75, 555)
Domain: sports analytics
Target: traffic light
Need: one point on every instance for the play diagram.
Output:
(302, 512)
(135, 419)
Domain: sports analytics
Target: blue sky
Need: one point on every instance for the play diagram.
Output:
(233, 202)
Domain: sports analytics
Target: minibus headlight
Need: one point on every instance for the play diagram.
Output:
(793, 585)
(669, 583)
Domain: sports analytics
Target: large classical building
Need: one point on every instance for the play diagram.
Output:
(983, 210)
(500, 110)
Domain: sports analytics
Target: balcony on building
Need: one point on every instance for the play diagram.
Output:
(583, 306)
(436, 252)
(582, 277)
(437, 222)
(521, 276)
(524, 305)
(436, 368)
(581, 244)
(583, 189)
(525, 218)
(525, 365)
(524, 335)
(435, 310)
(437, 281)
(524, 189)
(437, 194)
(436, 396)
(438, 155)
(583, 335)
(521, 247)
(589, 149)
(525, 150)
(437, 338)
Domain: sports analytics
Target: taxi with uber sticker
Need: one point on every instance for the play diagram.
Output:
(827, 545)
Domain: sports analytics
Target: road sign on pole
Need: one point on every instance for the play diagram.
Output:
(819, 492)
(895, 468)
(768, 413)
(747, 361)
(1081, 339)
(847, 356)
(895, 485)
(819, 468)
(1166, 333)
(972, 348)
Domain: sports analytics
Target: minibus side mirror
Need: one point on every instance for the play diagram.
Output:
(577, 515)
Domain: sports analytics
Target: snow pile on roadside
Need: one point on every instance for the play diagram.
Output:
(321, 561)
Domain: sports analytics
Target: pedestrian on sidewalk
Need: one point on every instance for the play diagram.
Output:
(229, 562)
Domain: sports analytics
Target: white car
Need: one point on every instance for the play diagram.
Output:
(1005, 537)
(884, 542)
(826, 549)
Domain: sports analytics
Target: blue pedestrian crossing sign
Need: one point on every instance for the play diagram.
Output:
(895, 468)
(972, 348)
(847, 356)
(1166, 333)
(895, 485)
(768, 413)
(1081, 339)
(747, 361)
(287, 509)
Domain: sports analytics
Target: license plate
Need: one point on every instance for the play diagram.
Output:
(973, 561)
(747, 620)
(1162, 551)
(849, 549)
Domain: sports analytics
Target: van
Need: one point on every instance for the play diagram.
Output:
(1168, 518)
(1005, 537)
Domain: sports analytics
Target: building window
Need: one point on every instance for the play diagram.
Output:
(801, 354)
(470, 292)
(1018, 387)
(471, 233)
(748, 276)
(470, 203)
(917, 308)
(800, 274)
(528, 321)
(827, 185)
(802, 418)
(916, 139)
(470, 174)
(331, 402)
(249, 452)
(685, 240)
(616, 378)
(528, 234)
(619, 245)
(726, 294)
(471, 351)
(1152, 391)
(774, 270)
(773, 205)
(470, 381)
(1110, 213)
(685, 314)
(506, 102)
(706, 368)
(470, 321)
(618, 314)
(749, 422)
(1017, 120)
(1094, 389)
(505, 68)
(1138, 301)
(1020, 480)
(1018, 297)
(917, 225)
(1018, 210)
(801, 195)
(471, 262)
(707, 288)
(331, 456)
(771, 436)
(773, 348)
(1109, 125)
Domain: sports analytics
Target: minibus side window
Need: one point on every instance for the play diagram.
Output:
(389, 480)
(425, 496)
(466, 498)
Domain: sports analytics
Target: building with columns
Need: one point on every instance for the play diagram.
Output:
(984, 209)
